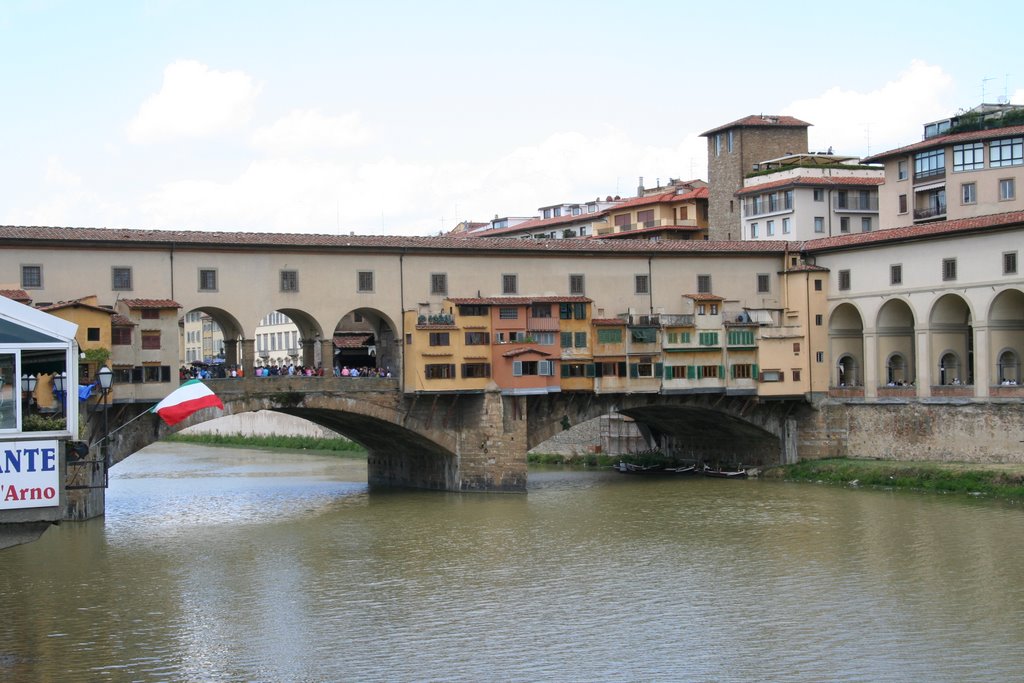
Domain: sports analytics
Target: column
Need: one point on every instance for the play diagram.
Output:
(870, 365)
(983, 365)
(248, 361)
(923, 362)
(327, 356)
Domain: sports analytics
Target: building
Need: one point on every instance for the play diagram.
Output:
(679, 211)
(964, 168)
(808, 196)
(733, 151)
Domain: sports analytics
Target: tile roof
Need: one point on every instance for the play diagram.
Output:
(76, 304)
(118, 320)
(630, 234)
(608, 321)
(661, 198)
(352, 341)
(942, 140)
(704, 297)
(520, 350)
(150, 303)
(1013, 219)
(256, 241)
(806, 268)
(811, 181)
(517, 300)
(760, 121)
(19, 295)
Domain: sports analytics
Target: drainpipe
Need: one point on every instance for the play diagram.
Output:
(828, 208)
(650, 287)
(172, 270)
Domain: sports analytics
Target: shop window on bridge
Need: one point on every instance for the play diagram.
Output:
(741, 338)
(540, 311)
(675, 372)
(476, 370)
(580, 340)
(572, 311)
(522, 368)
(508, 313)
(707, 338)
(772, 376)
(439, 371)
(439, 339)
(609, 336)
(645, 370)
(543, 338)
(122, 375)
(156, 373)
(708, 371)
(151, 339)
(643, 335)
(610, 369)
(570, 370)
(472, 310)
(477, 338)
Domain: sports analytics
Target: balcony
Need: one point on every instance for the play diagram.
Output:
(930, 174)
(542, 324)
(931, 213)
(855, 204)
(761, 208)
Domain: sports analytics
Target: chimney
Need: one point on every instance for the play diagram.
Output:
(640, 188)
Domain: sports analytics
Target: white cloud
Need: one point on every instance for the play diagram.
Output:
(58, 174)
(309, 130)
(194, 101)
(862, 123)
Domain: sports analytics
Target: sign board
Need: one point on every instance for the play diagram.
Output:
(29, 476)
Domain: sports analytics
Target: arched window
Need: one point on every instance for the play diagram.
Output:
(949, 369)
(848, 372)
(896, 370)
(1008, 370)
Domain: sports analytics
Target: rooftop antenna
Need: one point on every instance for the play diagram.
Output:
(867, 138)
(983, 82)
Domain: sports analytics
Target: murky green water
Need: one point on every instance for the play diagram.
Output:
(229, 565)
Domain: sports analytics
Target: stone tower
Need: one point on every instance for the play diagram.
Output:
(733, 149)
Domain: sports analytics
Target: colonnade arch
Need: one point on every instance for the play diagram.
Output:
(894, 333)
(951, 341)
(1006, 336)
(846, 336)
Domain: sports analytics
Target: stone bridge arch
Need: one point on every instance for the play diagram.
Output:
(448, 442)
(705, 427)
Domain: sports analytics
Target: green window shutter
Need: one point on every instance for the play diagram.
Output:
(634, 370)
(621, 368)
(754, 372)
(732, 371)
(589, 370)
(659, 369)
(565, 370)
(691, 372)
(566, 340)
(581, 340)
(563, 311)
(686, 337)
(721, 371)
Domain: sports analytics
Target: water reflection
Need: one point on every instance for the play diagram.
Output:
(217, 564)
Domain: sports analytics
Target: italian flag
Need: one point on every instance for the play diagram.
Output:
(190, 397)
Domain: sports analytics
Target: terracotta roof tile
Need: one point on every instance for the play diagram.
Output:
(19, 295)
(704, 297)
(631, 234)
(608, 321)
(150, 303)
(533, 224)
(118, 320)
(76, 304)
(352, 341)
(760, 121)
(811, 181)
(943, 140)
(806, 268)
(923, 231)
(517, 300)
(520, 350)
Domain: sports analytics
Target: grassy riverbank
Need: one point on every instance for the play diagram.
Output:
(995, 480)
(299, 443)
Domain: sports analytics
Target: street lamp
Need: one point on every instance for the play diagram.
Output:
(28, 385)
(60, 387)
(106, 377)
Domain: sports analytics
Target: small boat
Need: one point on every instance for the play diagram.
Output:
(630, 468)
(724, 474)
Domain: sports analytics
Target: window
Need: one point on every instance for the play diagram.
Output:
(819, 194)
(819, 319)
(819, 224)
(543, 338)
(476, 370)
(817, 285)
(968, 193)
(92, 334)
(1007, 189)
(896, 274)
(477, 338)
(742, 371)
(865, 224)
(609, 336)
(714, 309)
(364, 281)
(572, 311)
(31, 277)
(576, 284)
(540, 311)
(773, 202)
(508, 313)
(641, 284)
(643, 370)
(439, 283)
(150, 313)
(289, 280)
(707, 371)
(622, 221)
(770, 228)
(151, 339)
(796, 374)
(819, 356)
(703, 284)
(643, 335)
(949, 269)
(542, 368)
(771, 376)
(121, 278)
(968, 157)
(439, 371)
(576, 370)
(844, 280)
(580, 340)
(1006, 152)
(741, 337)
(702, 309)
(439, 339)
(786, 226)
(675, 372)
(844, 224)
(509, 283)
(753, 230)
(645, 219)
(842, 199)
(121, 336)
(718, 144)
(763, 283)
(730, 140)
(902, 203)
(1010, 263)
(472, 310)
(707, 338)
(796, 348)
(931, 163)
(566, 340)
(678, 337)
(207, 280)
(901, 170)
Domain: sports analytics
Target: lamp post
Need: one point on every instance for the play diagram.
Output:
(106, 377)
(28, 385)
(60, 387)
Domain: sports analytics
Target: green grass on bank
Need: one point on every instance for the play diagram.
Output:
(298, 443)
(1000, 481)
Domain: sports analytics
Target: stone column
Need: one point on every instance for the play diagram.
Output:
(231, 351)
(870, 365)
(982, 363)
(248, 361)
(327, 356)
(308, 352)
(923, 363)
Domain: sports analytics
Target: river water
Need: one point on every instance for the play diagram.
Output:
(242, 565)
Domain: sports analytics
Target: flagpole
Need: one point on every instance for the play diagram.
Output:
(115, 431)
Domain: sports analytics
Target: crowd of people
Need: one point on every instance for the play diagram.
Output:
(224, 371)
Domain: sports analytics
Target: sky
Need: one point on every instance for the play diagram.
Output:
(404, 118)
